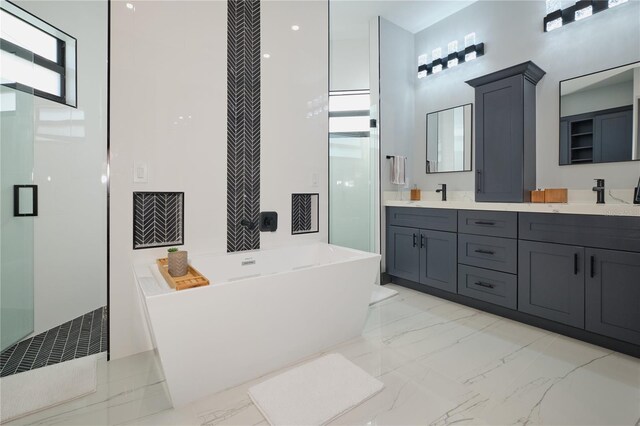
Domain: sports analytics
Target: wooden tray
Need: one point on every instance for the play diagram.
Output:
(559, 195)
(191, 280)
(537, 196)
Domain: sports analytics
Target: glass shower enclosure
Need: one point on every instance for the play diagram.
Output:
(16, 233)
(353, 159)
(53, 182)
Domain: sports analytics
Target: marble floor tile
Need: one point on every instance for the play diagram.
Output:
(396, 309)
(373, 357)
(441, 363)
(572, 383)
(402, 401)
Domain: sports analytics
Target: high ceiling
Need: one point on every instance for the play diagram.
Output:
(349, 19)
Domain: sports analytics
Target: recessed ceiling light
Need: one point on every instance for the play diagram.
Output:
(295, 27)
(266, 55)
(129, 6)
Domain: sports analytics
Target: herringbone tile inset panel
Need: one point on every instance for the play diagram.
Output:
(158, 219)
(243, 124)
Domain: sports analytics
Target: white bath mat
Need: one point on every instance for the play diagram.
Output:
(381, 293)
(33, 390)
(314, 393)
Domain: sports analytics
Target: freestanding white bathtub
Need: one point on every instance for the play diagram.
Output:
(263, 310)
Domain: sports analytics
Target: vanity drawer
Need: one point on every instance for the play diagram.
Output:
(423, 218)
(490, 223)
(609, 232)
(500, 254)
(494, 287)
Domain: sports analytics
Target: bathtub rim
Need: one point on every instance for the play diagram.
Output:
(166, 290)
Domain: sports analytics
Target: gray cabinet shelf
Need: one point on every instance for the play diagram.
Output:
(596, 137)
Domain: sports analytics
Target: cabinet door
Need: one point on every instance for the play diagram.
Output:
(403, 252)
(438, 259)
(499, 140)
(612, 139)
(551, 281)
(613, 294)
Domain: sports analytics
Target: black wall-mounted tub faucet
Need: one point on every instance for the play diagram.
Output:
(443, 190)
(599, 189)
(248, 224)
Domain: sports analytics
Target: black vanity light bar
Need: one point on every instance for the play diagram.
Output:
(580, 10)
(478, 49)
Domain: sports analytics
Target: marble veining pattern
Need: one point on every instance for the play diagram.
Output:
(442, 364)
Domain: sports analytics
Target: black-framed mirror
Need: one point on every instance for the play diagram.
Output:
(449, 137)
(599, 116)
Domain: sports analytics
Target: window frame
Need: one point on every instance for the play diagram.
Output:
(349, 113)
(60, 67)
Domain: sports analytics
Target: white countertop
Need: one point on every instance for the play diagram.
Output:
(570, 208)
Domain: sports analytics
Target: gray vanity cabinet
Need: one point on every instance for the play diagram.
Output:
(423, 256)
(505, 133)
(577, 275)
(551, 281)
(422, 246)
(438, 262)
(403, 252)
(613, 294)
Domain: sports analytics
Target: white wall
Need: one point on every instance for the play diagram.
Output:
(350, 63)
(598, 99)
(349, 49)
(294, 145)
(396, 100)
(70, 153)
(397, 75)
(169, 60)
(512, 32)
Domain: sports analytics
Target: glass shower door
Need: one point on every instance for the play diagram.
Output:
(16, 232)
(352, 171)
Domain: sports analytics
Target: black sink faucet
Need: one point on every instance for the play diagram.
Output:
(443, 190)
(599, 188)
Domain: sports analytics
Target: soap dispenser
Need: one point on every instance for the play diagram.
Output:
(415, 193)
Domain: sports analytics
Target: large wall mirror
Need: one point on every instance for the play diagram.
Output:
(449, 140)
(599, 115)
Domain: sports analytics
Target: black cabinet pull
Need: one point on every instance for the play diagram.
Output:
(487, 285)
(482, 222)
(421, 241)
(575, 263)
(414, 240)
(593, 266)
(478, 181)
(485, 251)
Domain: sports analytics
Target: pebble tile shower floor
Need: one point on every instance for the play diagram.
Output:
(82, 336)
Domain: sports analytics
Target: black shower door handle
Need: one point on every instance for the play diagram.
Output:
(20, 192)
